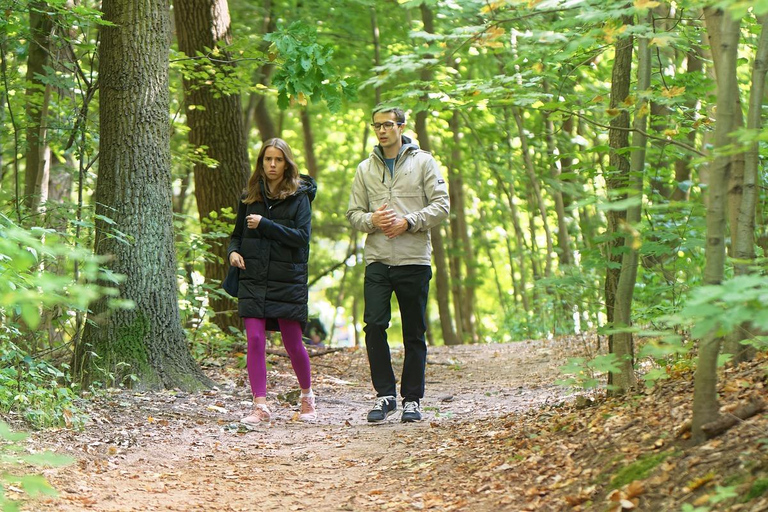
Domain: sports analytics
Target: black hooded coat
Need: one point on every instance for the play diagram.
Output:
(274, 282)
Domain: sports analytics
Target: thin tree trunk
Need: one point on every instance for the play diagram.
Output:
(38, 156)
(623, 346)
(681, 192)
(563, 238)
(376, 50)
(744, 247)
(256, 111)
(309, 143)
(442, 280)
(705, 403)
(133, 189)
(464, 289)
(201, 25)
(536, 190)
(617, 175)
(736, 173)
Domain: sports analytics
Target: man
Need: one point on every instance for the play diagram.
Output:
(398, 194)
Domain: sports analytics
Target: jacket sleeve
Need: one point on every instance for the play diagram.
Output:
(438, 203)
(357, 211)
(237, 232)
(297, 236)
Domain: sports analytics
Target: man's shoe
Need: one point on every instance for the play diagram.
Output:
(385, 405)
(411, 412)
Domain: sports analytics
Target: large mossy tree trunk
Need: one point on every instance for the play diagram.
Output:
(217, 127)
(134, 227)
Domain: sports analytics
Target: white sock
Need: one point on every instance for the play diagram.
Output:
(303, 394)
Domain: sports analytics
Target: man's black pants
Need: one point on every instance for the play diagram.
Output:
(411, 286)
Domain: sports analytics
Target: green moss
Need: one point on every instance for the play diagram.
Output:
(758, 489)
(638, 470)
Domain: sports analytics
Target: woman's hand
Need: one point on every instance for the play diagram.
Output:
(253, 220)
(236, 260)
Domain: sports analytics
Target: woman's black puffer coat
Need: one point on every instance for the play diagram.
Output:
(274, 282)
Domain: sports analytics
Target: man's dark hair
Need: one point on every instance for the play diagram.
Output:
(399, 113)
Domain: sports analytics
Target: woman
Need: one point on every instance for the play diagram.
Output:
(270, 246)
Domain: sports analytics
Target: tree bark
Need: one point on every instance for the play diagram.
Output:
(442, 280)
(617, 175)
(309, 143)
(463, 254)
(623, 345)
(217, 128)
(681, 192)
(744, 246)
(535, 190)
(133, 189)
(735, 184)
(38, 155)
(705, 404)
(257, 111)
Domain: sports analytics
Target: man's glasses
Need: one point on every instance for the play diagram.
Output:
(388, 125)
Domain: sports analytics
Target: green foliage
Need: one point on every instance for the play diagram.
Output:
(11, 455)
(720, 308)
(638, 470)
(31, 387)
(758, 488)
(305, 68)
(584, 373)
(36, 391)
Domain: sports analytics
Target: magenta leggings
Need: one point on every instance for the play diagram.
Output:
(257, 353)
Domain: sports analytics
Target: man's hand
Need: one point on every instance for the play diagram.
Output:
(397, 228)
(383, 218)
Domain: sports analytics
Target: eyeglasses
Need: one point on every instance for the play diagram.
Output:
(388, 125)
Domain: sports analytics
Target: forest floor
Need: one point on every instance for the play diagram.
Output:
(498, 435)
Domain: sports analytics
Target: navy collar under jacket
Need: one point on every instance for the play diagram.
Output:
(408, 145)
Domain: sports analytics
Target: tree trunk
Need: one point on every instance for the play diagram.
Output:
(376, 50)
(257, 112)
(535, 190)
(744, 247)
(442, 280)
(38, 157)
(623, 346)
(563, 238)
(309, 143)
(705, 404)
(133, 189)
(218, 129)
(617, 175)
(736, 173)
(682, 188)
(464, 289)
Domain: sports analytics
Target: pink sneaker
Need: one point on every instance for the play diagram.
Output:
(308, 411)
(259, 414)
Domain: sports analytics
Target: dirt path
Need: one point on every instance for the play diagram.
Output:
(175, 451)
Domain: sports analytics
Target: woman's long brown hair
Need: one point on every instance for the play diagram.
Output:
(291, 178)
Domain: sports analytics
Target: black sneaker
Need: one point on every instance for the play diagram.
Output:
(385, 405)
(411, 412)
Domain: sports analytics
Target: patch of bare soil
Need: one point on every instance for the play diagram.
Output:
(498, 435)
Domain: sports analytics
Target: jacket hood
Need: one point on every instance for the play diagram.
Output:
(307, 186)
(408, 145)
